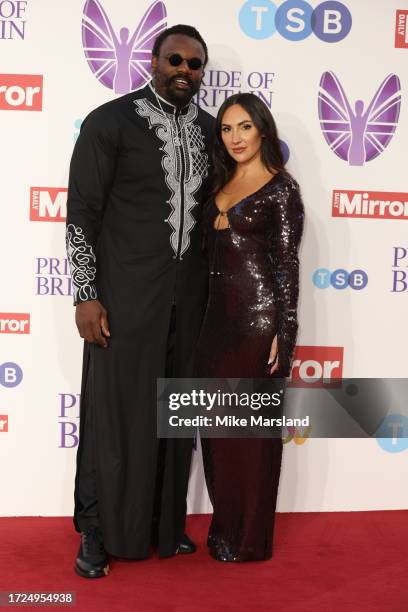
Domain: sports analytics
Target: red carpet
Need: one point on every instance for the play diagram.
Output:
(323, 561)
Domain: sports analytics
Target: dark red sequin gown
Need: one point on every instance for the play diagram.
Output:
(254, 272)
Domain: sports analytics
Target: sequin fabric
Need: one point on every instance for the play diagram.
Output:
(254, 286)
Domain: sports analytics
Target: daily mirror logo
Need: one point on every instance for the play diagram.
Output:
(316, 366)
(369, 204)
(14, 323)
(48, 203)
(121, 61)
(21, 92)
(358, 133)
(401, 29)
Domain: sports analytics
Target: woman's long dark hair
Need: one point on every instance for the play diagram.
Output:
(271, 155)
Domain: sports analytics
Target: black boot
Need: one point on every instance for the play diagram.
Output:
(186, 546)
(92, 560)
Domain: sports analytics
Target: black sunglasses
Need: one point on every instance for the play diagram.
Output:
(193, 63)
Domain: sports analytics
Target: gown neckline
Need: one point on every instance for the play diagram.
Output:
(225, 212)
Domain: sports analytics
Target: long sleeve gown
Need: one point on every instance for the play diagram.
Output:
(253, 297)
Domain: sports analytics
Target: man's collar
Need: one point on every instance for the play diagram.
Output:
(158, 101)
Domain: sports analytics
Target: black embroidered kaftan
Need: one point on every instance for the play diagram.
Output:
(137, 178)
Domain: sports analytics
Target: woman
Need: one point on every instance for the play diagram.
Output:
(253, 224)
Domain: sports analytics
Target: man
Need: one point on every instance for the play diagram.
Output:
(137, 180)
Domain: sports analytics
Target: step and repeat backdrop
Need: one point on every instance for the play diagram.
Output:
(335, 76)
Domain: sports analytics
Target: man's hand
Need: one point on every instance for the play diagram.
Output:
(92, 322)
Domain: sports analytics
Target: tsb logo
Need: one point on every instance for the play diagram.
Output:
(340, 279)
(11, 374)
(295, 20)
(48, 203)
(316, 366)
(392, 434)
(21, 92)
(14, 323)
(3, 423)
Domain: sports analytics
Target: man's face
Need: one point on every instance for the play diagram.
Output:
(178, 84)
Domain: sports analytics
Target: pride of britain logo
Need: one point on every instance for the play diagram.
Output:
(121, 62)
(295, 20)
(12, 19)
(361, 134)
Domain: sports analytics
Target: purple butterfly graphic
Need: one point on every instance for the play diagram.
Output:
(358, 136)
(122, 64)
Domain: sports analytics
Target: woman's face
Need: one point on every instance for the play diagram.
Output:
(240, 136)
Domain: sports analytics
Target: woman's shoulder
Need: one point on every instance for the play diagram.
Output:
(284, 179)
(284, 196)
(282, 187)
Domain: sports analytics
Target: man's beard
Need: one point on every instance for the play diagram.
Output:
(178, 96)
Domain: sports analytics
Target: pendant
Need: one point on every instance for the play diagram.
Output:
(177, 141)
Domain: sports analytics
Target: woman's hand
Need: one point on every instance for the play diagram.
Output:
(273, 356)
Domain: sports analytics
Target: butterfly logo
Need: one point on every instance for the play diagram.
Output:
(358, 135)
(122, 62)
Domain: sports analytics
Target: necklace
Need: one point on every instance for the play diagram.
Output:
(177, 137)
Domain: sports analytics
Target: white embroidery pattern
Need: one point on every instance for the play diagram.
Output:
(81, 257)
(195, 164)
